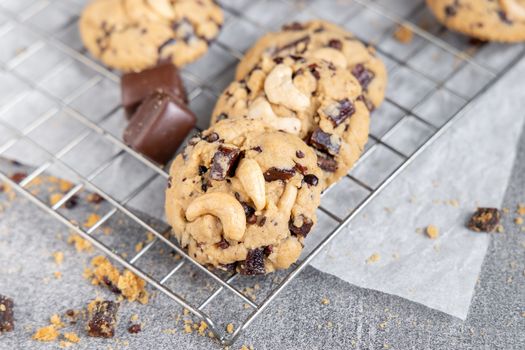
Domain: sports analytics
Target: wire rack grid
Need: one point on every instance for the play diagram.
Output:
(433, 80)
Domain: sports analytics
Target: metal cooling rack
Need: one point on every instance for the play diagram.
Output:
(433, 80)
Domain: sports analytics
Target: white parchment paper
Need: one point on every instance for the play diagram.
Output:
(470, 164)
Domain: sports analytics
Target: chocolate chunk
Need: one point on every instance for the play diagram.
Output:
(223, 244)
(313, 69)
(102, 319)
(326, 162)
(299, 154)
(261, 220)
(268, 250)
(17, 177)
(211, 137)
(450, 10)
(7, 320)
(340, 112)
(224, 163)
(135, 87)
(202, 170)
(311, 179)
(363, 75)
(295, 44)
(300, 168)
(257, 149)
(170, 180)
(293, 26)
(335, 44)
(110, 285)
(484, 220)
(159, 126)
(325, 141)
(274, 174)
(134, 328)
(71, 202)
(303, 230)
(249, 211)
(503, 17)
(254, 263)
(369, 105)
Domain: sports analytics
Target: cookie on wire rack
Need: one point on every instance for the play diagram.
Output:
(244, 196)
(326, 41)
(496, 20)
(131, 35)
(312, 98)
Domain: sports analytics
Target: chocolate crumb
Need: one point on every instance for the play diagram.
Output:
(7, 321)
(18, 176)
(102, 318)
(274, 174)
(484, 220)
(134, 329)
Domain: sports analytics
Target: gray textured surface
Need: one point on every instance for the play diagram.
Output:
(355, 317)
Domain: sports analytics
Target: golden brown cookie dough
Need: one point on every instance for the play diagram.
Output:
(243, 196)
(314, 99)
(132, 35)
(492, 20)
(323, 40)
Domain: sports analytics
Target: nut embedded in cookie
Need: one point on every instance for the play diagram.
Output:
(237, 194)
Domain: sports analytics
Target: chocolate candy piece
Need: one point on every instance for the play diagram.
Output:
(484, 220)
(340, 112)
(254, 263)
(159, 126)
(325, 142)
(135, 87)
(326, 162)
(102, 318)
(7, 321)
(224, 162)
(274, 174)
(303, 229)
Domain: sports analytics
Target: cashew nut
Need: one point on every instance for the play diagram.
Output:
(331, 55)
(223, 206)
(513, 9)
(251, 177)
(287, 199)
(261, 109)
(280, 89)
(163, 8)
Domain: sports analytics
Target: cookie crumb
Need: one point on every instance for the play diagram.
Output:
(139, 246)
(91, 220)
(72, 337)
(521, 209)
(59, 257)
(134, 317)
(80, 243)
(45, 334)
(500, 229)
(56, 321)
(203, 326)
(230, 328)
(403, 34)
(373, 258)
(518, 221)
(325, 301)
(57, 274)
(432, 231)
(188, 329)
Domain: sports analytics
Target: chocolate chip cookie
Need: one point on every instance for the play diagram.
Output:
(132, 35)
(243, 196)
(326, 41)
(315, 99)
(491, 20)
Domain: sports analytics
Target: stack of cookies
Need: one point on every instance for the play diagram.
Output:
(243, 195)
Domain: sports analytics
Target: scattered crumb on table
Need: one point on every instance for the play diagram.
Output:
(373, 258)
(403, 34)
(432, 231)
